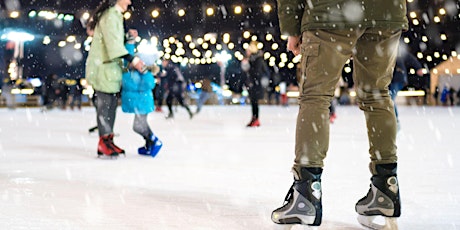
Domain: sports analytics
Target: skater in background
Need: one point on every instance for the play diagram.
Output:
(137, 97)
(255, 68)
(404, 62)
(104, 68)
(327, 36)
(175, 87)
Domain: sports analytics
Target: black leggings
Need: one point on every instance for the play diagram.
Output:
(255, 107)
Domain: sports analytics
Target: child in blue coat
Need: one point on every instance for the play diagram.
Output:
(137, 98)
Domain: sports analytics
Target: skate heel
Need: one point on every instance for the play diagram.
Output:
(378, 222)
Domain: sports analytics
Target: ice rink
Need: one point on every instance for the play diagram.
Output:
(213, 173)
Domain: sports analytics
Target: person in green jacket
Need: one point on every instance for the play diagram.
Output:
(104, 68)
(327, 34)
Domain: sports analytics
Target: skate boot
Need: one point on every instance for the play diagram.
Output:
(303, 201)
(151, 148)
(116, 148)
(104, 148)
(254, 122)
(382, 199)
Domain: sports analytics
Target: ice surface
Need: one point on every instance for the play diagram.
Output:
(213, 172)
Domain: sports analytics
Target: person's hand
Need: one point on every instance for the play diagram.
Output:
(293, 44)
(139, 66)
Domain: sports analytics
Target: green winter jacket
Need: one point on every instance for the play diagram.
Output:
(104, 63)
(297, 16)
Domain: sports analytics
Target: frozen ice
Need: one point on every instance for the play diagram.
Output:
(213, 172)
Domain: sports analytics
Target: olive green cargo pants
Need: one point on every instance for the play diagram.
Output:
(324, 53)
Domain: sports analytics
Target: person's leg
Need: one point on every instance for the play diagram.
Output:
(181, 101)
(324, 54)
(373, 70)
(169, 100)
(141, 126)
(152, 143)
(106, 105)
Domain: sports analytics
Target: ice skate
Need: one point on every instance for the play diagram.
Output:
(254, 122)
(117, 149)
(303, 201)
(105, 149)
(380, 207)
(151, 148)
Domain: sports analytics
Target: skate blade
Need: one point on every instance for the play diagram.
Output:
(294, 227)
(378, 222)
(106, 157)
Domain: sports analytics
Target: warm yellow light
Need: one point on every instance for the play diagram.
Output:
(85, 16)
(254, 38)
(437, 55)
(454, 53)
(127, 15)
(192, 45)
(268, 37)
(419, 55)
(275, 46)
(442, 11)
(424, 38)
(210, 11)
(226, 38)
(181, 12)
(188, 38)
(205, 45)
(231, 45)
(172, 40)
(437, 19)
(415, 22)
(238, 9)
(413, 14)
(155, 13)
(267, 8)
(218, 47)
(62, 43)
(14, 14)
(77, 46)
(284, 37)
(200, 41)
(443, 37)
(429, 58)
(71, 38)
(260, 45)
(406, 40)
(246, 34)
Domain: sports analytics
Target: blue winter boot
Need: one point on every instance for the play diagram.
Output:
(151, 148)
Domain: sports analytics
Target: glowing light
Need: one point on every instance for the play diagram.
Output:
(205, 45)
(200, 41)
(77, 46)
(32, 14)
(429, 58)
(442, 11)
(267, 8)
(443, 37)
(226, 38)
(424, 38)
(436, 19)
(155, 13)
(191, 45)
(260, 45)
(210, 11)
(291, 65)
(268, 37)
(413, 14)
(188, 38)
(419, 55)
(254, 38)
(85, 15)
(17, 36)
(127, 15)
(218, 47)
(406, 40)
(46, 40)
(238, 9)
(284, 37)
(436, 55)
(62, 43)
(223, 56)
(246, 34)
(275, 46)
(181, 12)
(231, 45)
(415, 22)
(454, 53)
(71, 38)
(14, 14)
